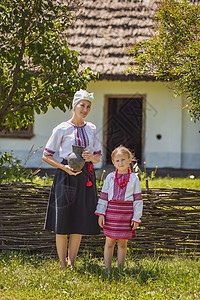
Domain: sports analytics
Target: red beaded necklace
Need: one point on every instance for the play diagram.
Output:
(125, 181)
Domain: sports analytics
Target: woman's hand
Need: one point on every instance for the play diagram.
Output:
(101, 221)
(53, 162)
(134, 225)
(69, 170)
(87, 155)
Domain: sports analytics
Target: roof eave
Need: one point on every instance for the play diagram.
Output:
(126, 77)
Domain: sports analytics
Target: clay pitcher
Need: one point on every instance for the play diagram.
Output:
(75, 159)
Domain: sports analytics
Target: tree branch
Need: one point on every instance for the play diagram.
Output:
(17, 68)
(24, 104)
(13, 88)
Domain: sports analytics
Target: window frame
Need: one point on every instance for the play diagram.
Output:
(19, 133)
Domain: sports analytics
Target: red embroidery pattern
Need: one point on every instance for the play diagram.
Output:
(137, 196)
(118, 220)
(104, 196)
(97, 152)
(90, 168)
(81, 137)
(49, 151)
(118, 193)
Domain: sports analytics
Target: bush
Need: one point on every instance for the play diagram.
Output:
(11, 168)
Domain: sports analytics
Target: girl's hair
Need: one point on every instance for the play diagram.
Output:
(125, 151)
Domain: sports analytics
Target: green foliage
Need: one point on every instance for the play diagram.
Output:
(143, 174)
(37, 69)
(31, 277)
(11, 168)
(173, 53)
(100, 181)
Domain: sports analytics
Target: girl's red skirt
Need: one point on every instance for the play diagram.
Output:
(118, 220)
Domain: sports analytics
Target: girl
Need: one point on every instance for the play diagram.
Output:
(120, 206)
(73, 197)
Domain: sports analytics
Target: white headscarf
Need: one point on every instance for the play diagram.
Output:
(82, 95)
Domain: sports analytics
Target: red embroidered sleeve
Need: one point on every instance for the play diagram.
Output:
(97, 152)
(137, 196)
(48, 152)
(104, 196)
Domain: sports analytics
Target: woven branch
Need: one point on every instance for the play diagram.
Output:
(170, 223)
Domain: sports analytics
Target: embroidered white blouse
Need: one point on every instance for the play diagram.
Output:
(66, 134)
(131, 192)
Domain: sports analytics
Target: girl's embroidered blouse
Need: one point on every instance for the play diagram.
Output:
(131, 192)
(66, 134)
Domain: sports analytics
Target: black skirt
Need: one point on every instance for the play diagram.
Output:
(72, 204)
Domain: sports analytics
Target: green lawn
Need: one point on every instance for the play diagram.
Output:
(169, 182)
(158, 182)
(30, 277)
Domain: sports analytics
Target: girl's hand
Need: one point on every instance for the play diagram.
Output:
(69, 170)
(134, 225)
(101, 221)
(87, 155)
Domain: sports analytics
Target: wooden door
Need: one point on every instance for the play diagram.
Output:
(124, 125)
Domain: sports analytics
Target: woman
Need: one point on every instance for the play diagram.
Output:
(73, 196)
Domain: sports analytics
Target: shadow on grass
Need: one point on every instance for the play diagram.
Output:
(138, 271)
(140, 274)
(87, 266)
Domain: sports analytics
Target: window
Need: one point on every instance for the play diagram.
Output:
(22, 132)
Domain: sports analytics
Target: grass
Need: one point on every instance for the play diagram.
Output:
(30, 277)
(172, 182)
(157, 182)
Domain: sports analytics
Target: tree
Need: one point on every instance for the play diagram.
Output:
(173, 52)
(37, 69)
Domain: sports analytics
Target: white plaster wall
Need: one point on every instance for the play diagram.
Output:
(163, 116)
(179, 146)
(190, 142)
(43, 126)
(166, 122)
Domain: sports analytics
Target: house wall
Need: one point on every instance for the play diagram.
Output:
(178, 146)
(190, 157)
(164, 116)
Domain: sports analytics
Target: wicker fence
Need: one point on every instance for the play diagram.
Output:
(170, 222)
